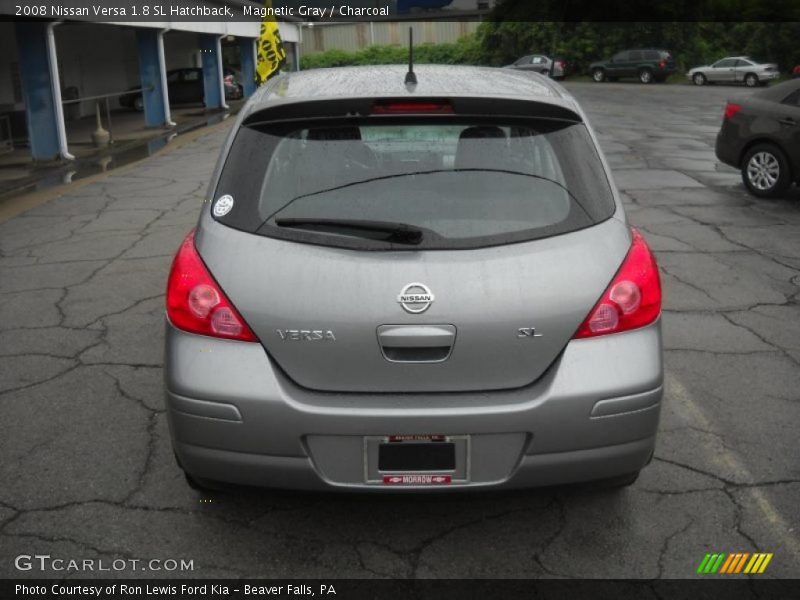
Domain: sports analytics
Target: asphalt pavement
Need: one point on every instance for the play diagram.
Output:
(87, 470)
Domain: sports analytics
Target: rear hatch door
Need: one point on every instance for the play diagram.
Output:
(332, 320)
(420, 248)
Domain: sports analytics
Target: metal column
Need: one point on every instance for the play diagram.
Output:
(247, 52)
(42, 91)
(211, 54)
(152, 71)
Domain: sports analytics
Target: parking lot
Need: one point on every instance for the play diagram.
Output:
(87, 470)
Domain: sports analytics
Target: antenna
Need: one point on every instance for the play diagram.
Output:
(411, 78)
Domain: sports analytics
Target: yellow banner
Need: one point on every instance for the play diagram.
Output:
(270, 53)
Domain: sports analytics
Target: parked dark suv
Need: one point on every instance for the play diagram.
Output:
(647, 65)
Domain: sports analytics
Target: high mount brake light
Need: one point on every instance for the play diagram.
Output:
(196, 303)
(412, 107)
(731, 108)
(632, 299)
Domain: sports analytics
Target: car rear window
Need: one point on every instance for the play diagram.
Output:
(781, 92)
(793, 99)
(464, 184)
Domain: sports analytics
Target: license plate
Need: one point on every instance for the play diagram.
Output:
(416, 456)
(416, 460)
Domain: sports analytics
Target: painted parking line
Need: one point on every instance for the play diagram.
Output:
(781, 528)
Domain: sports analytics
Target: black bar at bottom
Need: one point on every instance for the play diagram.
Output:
(706, 587)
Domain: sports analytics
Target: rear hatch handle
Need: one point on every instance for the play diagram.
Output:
(416, 343)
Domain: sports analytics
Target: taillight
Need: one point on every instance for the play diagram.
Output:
(632, 299)
(731, 109)
(662, 63)
(434, 107)
(196, 303)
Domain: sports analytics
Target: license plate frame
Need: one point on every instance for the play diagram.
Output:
(458, 474)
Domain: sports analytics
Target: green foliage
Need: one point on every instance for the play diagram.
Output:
(501, 43)
(464, 51)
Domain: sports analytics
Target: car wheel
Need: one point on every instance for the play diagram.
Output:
(599, 75)
(138, 103)
(646, 76)
(204, 485)
(699, 79)
(765, 171)
(620, 481)
(751, 80)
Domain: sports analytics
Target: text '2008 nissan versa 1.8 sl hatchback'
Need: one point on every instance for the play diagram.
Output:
(413, 286)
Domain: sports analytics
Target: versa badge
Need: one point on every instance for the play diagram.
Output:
(306, 335)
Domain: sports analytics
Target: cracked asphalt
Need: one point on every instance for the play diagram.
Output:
(87, 470)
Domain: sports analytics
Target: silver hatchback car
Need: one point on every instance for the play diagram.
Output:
(401, 286)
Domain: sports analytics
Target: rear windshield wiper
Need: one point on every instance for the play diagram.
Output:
(412, 174)
(384, 231)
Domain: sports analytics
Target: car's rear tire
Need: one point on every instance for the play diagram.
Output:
(620, 481)
(599, 75)
(751, 80)
(765, 171)
(205, 485)
(646, 76)
(699, 79)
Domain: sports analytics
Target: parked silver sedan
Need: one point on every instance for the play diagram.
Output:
(735, 69)
(538, 63)
(413, 286)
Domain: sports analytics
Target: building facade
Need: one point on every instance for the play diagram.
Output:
(53, 71)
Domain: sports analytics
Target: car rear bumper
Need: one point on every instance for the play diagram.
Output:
(235, 417)
(301, 473)
(728, 146)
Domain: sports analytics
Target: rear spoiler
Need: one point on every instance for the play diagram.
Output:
(346, 108)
